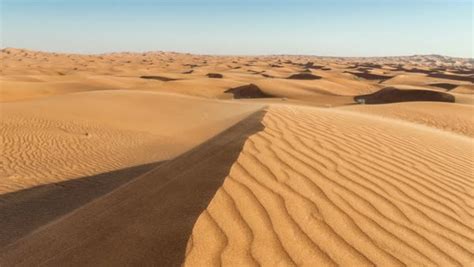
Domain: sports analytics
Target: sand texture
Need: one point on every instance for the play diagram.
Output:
(168, 159)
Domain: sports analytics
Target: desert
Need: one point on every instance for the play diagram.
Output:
(170, 159)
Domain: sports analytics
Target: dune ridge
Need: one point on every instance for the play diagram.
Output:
(304, 190)
(392, 95)
(297, 196)
(145, 222)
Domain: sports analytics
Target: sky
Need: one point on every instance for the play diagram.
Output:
(242, 27)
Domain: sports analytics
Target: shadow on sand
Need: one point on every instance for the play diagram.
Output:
(23, 211)
(146, 222)
(247, 91)
(394, 95)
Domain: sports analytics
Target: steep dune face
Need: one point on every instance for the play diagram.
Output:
(315, 187)
(304, 76)
(326, 188)
(393, 95)
(247, 91)
(75, 135)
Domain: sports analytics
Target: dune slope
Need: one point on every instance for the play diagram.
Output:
(457, 118)
(75, 135)
(146, 222)
(315, 187)
(324, 188)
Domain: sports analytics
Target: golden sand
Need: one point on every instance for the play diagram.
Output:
(166, 159)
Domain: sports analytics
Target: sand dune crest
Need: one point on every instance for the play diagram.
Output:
(306, 191)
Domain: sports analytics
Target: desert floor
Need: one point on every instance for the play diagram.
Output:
(168, 159)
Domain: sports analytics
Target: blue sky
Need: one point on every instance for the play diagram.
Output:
(328, 27)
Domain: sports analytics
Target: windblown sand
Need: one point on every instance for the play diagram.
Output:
(166, 159)
(75, 135)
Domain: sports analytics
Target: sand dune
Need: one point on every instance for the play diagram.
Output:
(159, 78)
(169, 159)
(167, 199)
(464, 89)
(305, 190)
(393, 95)
(247, 91)
(447, 86)
(84, 145)
(83, 134)
(202, 87)
(65, 73)
(15, 88)
(307, 174)
(420, 80)
(453, 77)
(304, 76)
(317, 91)
(455, 118)
(371, 76)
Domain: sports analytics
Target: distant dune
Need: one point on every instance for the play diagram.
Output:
(450, 117)
(393, 95)
(169, 159)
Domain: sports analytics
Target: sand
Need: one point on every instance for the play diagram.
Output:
(309, 190)
(456, 118)
(168, 159)
(81, 134)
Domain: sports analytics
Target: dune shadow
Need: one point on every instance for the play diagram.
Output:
(191, 65)
(215, 75)
(23, 211)
(146, 222)
(267, 75)
(158, 78)
(370, 76)
(463, 71)
(394, 95)
(308, 65)
(275, 66)
(447, 86)
(452, 77)
(304, 76)
(415, 70)
(248, 91)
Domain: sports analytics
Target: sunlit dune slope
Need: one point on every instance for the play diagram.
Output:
(451, 117)
(324, 187)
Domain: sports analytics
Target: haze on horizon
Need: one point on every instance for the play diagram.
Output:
(325, 28)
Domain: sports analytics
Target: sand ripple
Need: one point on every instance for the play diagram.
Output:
(326, 188)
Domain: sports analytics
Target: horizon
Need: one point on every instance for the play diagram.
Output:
(342, 28)
(219, 55)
